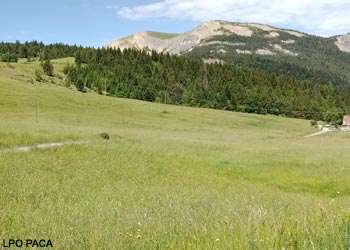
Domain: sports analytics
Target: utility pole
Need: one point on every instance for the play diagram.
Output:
(165, 100)
(348, 234)
(36, 110)
(123, 113)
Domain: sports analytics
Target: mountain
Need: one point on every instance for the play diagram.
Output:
(147, 39)
(259, 46)
(179, 43)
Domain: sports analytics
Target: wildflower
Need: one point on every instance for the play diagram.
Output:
(130, 234)
(120, 233)
(217, 240)
(138, 230)
(138, 236)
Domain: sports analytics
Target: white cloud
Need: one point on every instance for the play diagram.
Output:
(322, 17)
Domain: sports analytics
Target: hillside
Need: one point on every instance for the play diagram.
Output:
(186, 81)
(259, 46)
(188, 178)
(183, 80)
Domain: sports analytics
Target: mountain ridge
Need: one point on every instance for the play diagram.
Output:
(184, 42)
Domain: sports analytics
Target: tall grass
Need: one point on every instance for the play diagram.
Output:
(187, 179)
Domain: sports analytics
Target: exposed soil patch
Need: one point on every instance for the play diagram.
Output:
(318, 133)
(43, 146)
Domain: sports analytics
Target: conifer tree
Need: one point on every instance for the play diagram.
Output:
(47, 67)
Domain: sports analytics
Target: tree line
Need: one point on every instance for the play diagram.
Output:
(10, 52)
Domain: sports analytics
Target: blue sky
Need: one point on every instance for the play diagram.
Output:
(97, 22)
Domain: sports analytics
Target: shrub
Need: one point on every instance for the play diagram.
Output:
(79, 85)
(313, 123)
(104, 135)
(38, 76)
(67, 68)
(67, 83)
(333, 116)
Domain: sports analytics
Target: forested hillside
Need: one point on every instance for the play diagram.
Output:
(139, 75)
(306, 58)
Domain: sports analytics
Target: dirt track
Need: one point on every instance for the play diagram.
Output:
(317, 133)
(43, 145)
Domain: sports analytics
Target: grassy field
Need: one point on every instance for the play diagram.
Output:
(189, 178)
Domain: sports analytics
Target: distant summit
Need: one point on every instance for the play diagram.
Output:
(179, 43)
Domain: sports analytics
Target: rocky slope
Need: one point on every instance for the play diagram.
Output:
(343, 42)
(179, 43)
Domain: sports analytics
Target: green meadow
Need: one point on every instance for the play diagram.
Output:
(187, 178)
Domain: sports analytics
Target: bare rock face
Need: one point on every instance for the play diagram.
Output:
(144, 40)
(343, 42)
(178, 43)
